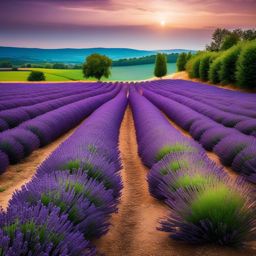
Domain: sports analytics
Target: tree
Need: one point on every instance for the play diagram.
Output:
(160, 65)
(181, 61)
(97, 66)
(5, 64)
(36, 76)
(217, 39)
(230, 40)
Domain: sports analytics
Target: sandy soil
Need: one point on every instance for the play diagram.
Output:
(133, 231)
(17, 175)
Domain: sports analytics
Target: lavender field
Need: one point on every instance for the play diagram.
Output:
(164, 167)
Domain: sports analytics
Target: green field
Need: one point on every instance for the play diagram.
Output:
(125, 73)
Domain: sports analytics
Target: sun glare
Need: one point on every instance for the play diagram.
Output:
(162, 23)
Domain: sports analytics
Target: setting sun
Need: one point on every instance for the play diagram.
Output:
(162, 23)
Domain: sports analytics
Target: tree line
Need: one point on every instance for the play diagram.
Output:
(229, 59)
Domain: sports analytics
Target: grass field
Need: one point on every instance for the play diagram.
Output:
(127, 73)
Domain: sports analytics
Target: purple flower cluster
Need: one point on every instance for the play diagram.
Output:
(80, 182)
(205, 205)
(207, 124)
(20, 141)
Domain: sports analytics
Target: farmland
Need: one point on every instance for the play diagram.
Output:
(126, 73)
(164, 167)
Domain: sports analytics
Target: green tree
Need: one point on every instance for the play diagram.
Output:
(97, 66)
(36, 76)
(181, 61)
(217, 38)
(229, 41)
(189, 55)
(160, 65)
(246, 66)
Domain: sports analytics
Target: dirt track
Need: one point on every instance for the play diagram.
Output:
(17, 175)
(133, 231)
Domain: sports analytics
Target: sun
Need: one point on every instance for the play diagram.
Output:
(162, 23)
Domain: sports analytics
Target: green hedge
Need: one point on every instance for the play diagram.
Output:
(228, 65)
(246, 67)
(214, 71)
(236, 65)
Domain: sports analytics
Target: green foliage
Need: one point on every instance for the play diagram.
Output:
(220, 35)
(182, 61)
(229, 41)
(195, 180)
(97, 66)
(220, 205)
(177, 147)
(217, 39)
(228, 65)
(214, 71)
(246, 66)
(192, 66)
(204, 66)
(160, 65)
(36, 76)
(171, 58)
(5, 64)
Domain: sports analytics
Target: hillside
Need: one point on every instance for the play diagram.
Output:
(69, 55)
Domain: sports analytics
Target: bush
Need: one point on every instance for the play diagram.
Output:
(204, 66)
(181, 61)
(36, 76)
(228, 65)
(160, 65)
(214, 71)
(192, 66)
(246, 66)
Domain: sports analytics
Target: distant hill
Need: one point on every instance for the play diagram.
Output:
(69, 55)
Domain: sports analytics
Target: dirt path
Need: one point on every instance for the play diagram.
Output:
(17, 175)
(133, 231)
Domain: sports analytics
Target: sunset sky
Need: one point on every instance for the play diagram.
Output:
(141, 24)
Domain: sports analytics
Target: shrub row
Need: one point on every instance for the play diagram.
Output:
(205, 205)
(233, 66)
(70, 199)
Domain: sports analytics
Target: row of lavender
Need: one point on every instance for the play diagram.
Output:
(234, 148)
(205, 204)
(70, 199)
(19, 142)
(12, 97)
(11, 118)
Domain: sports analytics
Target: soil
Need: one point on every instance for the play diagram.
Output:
(133, 230)
(17, 175)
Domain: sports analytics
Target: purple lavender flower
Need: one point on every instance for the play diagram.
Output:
(4, 161)
(228, 148)
(218, 214)
(12, 148)
(40, 230)
(83, 200)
